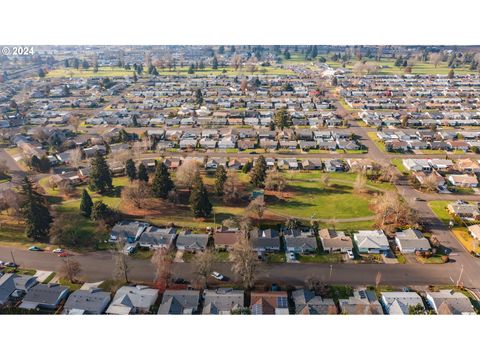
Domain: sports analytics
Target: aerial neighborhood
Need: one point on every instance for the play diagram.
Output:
(213, 180)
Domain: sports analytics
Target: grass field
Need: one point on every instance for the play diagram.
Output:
(104, 71)
(379, 144)
(307, 197)
(439, 208)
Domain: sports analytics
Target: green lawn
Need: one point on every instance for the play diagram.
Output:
(307, 197)
(104, 71)
(379, 144)
(439, 208)
(399, 165)
(70, 285)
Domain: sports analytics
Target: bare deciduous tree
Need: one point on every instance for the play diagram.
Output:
(244, 262)
(186, 173)
(360, 184)
(203, 262)
(256, 208)
(436, 58)
(121, 266)
(70, 269)
(138, 194)
(275, 181)
(231, 188)
(162, 261)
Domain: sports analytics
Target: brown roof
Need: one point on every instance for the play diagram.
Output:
(268, 300)
(226, 237)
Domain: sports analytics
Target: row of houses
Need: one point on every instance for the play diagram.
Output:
(26, 293)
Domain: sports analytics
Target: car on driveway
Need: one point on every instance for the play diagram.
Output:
(35, 248)
(217, 276)
(350, 254)
(291, 256)
(130, 250)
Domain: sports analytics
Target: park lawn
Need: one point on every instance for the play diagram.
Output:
(103, 71)
(305, 197)
(320, 258)
(12, 234)
(228, 70)
(350, 226)
(398, 163)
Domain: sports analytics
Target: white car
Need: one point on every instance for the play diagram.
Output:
(291, 256)
(58, 251)
(350, 254)
(217, 276)
(131, 249)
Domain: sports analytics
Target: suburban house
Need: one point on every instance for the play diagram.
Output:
(468, 166)
(269, 303)
(363, 302)
(411, 240)
(464, 210)
(399, 303)
(157, 238)
(266, 240)
(463, 180)
(307, 303)
(226, 238)
(13, 286)
(179, 302)
(334, 165)
(188, 241)
(447, 302)
(371, 241)
(299, 241)
(44, 296)
(417, 165)
(128, 231)
(222, 301)
(132, 300)
(474, 230)
(335, 241)
(82, 302)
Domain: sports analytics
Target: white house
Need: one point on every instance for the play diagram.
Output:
(399, 303)
(411, 240)
(371, 241)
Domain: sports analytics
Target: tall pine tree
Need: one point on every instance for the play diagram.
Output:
(100, 175)
(259, 172)
(220, 178)
(162, 183)
(199, 201)
(130, 169)
(35, 212)
(86, 204)
(142, 173)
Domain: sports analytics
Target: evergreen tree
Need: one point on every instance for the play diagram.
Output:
(199, 201)
(282, 119)
(162, 184)
(86, 204)
(221, 49)
(220, 178)
(199, 97)
(142, 173)
(214, 63)
(191, 69)
(101, 211)
(35, 211)
(259, 172)
(130, 169)
(100, 175)
(41, 73)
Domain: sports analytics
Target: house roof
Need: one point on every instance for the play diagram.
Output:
(192, 241)
(129, 298)
(448, 302)
(222, 300)
(398, 303)
(92, 301)
(269, 303)
(44, 294)
(334, 239)
(307, 303)
(371, 239)
(412, 238)
(178, 302)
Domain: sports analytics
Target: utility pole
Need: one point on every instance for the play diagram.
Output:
(13, 259)
(331, 269)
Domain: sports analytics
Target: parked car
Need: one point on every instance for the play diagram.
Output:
(291, 256)
(350, 254)
(34, 248)
(181, 281)
(131, 249)
(58, 251)
(217, 275)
